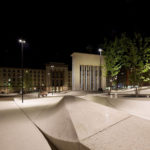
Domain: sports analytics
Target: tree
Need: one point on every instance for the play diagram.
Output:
(112, 59)
(145, 58)
(130, 54)
(138, 59)
(27, 81)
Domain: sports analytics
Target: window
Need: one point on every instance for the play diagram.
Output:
(57, 83)
(61, 82)
(53, 83)
(61, 74)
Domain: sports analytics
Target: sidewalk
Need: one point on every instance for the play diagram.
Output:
(136, 106)
(17, 132)
(94, 126)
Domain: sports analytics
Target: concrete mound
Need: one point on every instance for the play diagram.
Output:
(74, 120)
(76, 93)
(97, 99)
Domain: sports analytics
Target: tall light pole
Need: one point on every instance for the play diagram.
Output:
(100, 51)
(48, 82)
(52, 66)
(22, 42)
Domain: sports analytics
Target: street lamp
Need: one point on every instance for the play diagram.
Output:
(100, 50)
(22, 42)
(52, 66)
(48, 82)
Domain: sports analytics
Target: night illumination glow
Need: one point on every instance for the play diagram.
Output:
(21, 41)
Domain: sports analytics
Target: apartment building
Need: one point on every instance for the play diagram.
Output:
(11, 79)
(56, 77)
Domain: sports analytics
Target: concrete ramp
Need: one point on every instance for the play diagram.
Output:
(17, 132)
(73, 120)
(74, 123)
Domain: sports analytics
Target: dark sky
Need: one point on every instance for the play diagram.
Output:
(54, 30)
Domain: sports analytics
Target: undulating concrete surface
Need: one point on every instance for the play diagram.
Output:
(73, 123)
(132, 133)
(101, 99)
(17, 132)
(133, 105)
(129, 134)
(77, 123)
(136, 106)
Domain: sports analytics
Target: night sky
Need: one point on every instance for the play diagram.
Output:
(54, 30)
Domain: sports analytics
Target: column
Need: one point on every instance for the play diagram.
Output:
(84, 77)
(93, 78)
(90, 78)
(81, 77)
(88, 86)
(98, 77)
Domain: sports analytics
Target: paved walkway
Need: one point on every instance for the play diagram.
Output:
(136, 106)
(133, 105)
(131, 133)
(17, 132)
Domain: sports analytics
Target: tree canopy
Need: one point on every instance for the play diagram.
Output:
(130, 54)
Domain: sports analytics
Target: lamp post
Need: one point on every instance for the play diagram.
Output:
(22, 42)
(100, 50)
(52, 66)
(48, 82)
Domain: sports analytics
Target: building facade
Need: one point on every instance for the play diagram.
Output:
(11, 79)
(87, 74)
(57, 77)
(69, 80)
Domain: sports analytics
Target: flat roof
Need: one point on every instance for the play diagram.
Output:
(57, 64)
(79, 53)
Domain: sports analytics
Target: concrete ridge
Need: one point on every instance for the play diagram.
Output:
(96, 126)
(108, 127)
(74, 119)
(71, 119)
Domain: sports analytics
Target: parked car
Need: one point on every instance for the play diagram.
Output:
(43, 93)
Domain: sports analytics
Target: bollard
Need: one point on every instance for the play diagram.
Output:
(116, 96)
(111, 96)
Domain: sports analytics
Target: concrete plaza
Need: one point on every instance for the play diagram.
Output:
(109, 123)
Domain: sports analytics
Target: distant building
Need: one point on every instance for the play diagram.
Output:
(54, 78)
(57, 77)
(69, 80)
(11, 79)
(86, 72)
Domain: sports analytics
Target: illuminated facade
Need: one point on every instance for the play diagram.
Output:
(87, 74)
(69, 80)
(57, 77)
(11, 79)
